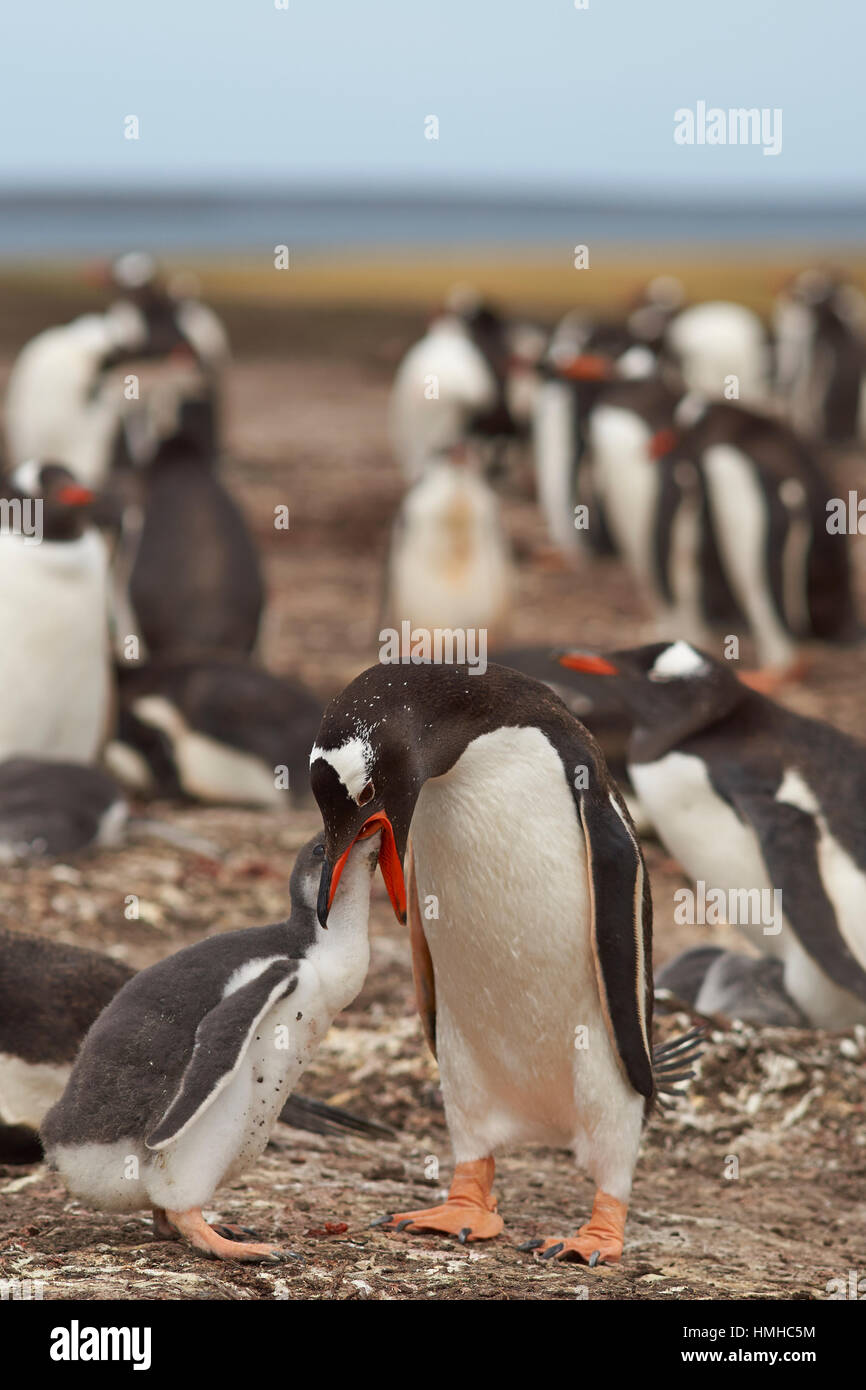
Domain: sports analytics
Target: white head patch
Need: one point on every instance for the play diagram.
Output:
(26, 477)
(677, 661)
(351, 762)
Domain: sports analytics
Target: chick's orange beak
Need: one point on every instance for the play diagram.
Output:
(389, 862)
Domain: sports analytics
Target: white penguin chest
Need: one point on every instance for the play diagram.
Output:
(504, 902)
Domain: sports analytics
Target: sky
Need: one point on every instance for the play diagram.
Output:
(533, 95)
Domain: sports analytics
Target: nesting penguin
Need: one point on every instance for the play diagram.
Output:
(54, 665)
(530, 922)
(727, 983)
(179, 1082)
(215, 727)
(449, 564)
(194, 578)
(761, 805)
(56, 808)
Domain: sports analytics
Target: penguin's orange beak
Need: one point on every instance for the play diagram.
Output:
(72, 495)
(389, 862)
(586, 661)
(661, 443)
(588, 366)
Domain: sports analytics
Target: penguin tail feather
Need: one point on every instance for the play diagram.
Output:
(315, 1116)
(673, 1062)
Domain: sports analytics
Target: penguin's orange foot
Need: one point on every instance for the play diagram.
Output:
(598, 1242)
(193, 1227)
(464, 1220)
(770, 679)
(469, 1212)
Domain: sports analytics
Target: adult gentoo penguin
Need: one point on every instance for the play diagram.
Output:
(750, 797)
(530, 921)
(54, 671)
(180, 1081)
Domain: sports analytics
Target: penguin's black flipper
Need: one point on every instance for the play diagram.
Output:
(789, 844)
(221, 1040)
(621, 930)
(317, 1117)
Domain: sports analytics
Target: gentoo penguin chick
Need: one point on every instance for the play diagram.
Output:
(56, 808)
(214, 727)
(180, 1081)
(762, 806)
(50, 995)
(54, 669)
(732, 985)
(449, 565)
(195, 582)
(532, 950)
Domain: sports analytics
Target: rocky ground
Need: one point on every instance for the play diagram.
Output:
(754, 1188)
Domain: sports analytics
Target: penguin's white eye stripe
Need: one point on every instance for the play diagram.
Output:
(352, 762)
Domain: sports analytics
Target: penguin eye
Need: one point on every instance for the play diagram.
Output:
(318, 851)
(366, 794)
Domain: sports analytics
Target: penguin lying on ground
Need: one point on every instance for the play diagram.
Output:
(195, 580)
(713, 981)
(216, 727)
(530, 922)
(752, 798)
(50, 995)
(449, 564)
(180, 1081)
(55, 808)
(54, 669)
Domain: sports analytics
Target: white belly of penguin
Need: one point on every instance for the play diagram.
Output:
(234, 1130)
(500, 855)
(704, 833)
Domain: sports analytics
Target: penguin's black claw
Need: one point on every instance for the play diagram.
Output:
(383, 1221)
(594, 1258)
(401, 1225)
(554, 1250)
(240, 1233)
(464, 1234)
(531, 1244)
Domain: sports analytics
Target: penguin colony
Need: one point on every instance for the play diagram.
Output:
(694, 442)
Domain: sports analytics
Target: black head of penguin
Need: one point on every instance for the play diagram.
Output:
(392, 729)
(66, 506)
(671, 690)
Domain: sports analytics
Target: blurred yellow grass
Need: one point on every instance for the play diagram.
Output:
(527, 280)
